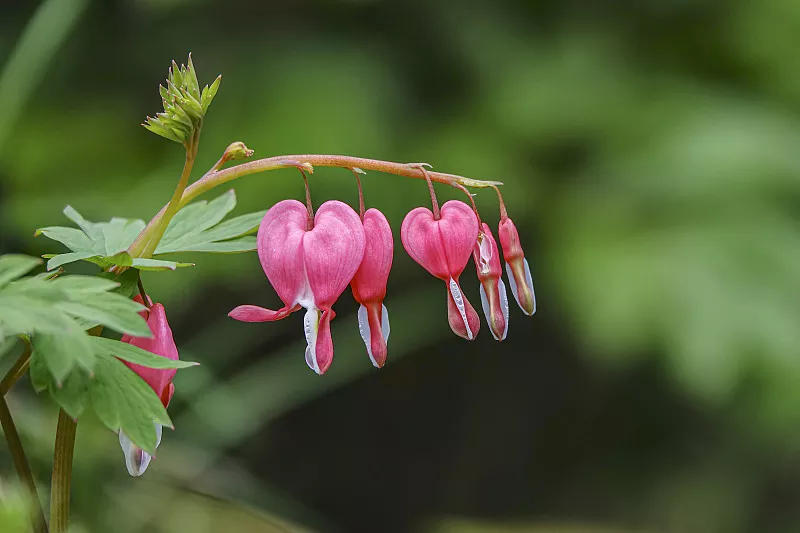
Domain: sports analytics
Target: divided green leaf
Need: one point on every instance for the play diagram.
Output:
(14, 266)
(198, 227)
(56, 313)
(134, 354)
(122, 400)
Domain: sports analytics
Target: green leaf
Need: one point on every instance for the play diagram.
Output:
(244, 244)
(235, 227)
(72, 238)
(101, 243)
(62, 352)
(56, 313)
(109, 309)
(39, 373)
(199, 227)
(71, 257)
(19, 314)
(13, 266)
(122, 400)
(199, 216)
(209, 93)
(157, 264)
(79, 285)
(119, 233)
(72, 396)
(89, 228)
(193, 85)
(127, 281)
(134, 354)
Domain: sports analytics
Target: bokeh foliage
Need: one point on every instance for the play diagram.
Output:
(650, 155)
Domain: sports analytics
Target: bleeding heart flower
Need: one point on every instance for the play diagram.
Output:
(443, 247)
(493, 291)
(162, 343)
(309, 264)
(369, 285)
(519, 274)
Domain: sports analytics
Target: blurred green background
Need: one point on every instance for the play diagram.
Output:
(651, 155)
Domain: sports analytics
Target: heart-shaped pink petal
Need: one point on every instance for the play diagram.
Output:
(280, 247)
(333, 251)
(442, 247)
(369, 282)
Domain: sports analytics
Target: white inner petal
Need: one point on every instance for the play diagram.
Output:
(487, 312)
(459, 300)
(310, 328)
(501, 288)
(529, 280)
(366, 332)
(385, 323)
(136, 459)
(485, 252)
(363, 329)
(503, 304)
(513, 283)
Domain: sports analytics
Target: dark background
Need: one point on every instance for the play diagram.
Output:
(651, 157)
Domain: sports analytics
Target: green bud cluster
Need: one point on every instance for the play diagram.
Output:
(185, 104)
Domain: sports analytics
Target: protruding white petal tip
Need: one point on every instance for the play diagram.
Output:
(459, 300)
(310, 328)
(366, 333)
(136, 459)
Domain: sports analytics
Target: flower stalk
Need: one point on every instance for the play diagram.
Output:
(145, 245)
(216, 177)
(17, 370)
(22, 467)
(62, 473)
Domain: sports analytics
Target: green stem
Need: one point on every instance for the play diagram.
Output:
(16, 371)
(22, 466)
(146, 243)
(62, 473)
(214, 178)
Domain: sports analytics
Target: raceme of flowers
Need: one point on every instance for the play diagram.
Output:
(310, 259)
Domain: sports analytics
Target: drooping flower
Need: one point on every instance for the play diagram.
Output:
(493, 291)
(443, 247)
(369, 285)
(519, 273)
(162, 343)
(309, 264)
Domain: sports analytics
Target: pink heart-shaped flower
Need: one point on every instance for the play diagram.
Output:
(308, 265)
(369, 285)
(443, 248)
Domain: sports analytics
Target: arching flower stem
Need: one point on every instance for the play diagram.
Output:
(216, 177)
(503, 212)
(309, 205)
(436, 214)
(471, 200)
(357, 172)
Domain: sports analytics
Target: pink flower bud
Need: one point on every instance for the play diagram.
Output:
(493, 290)
(161, 343)
(519, 274)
